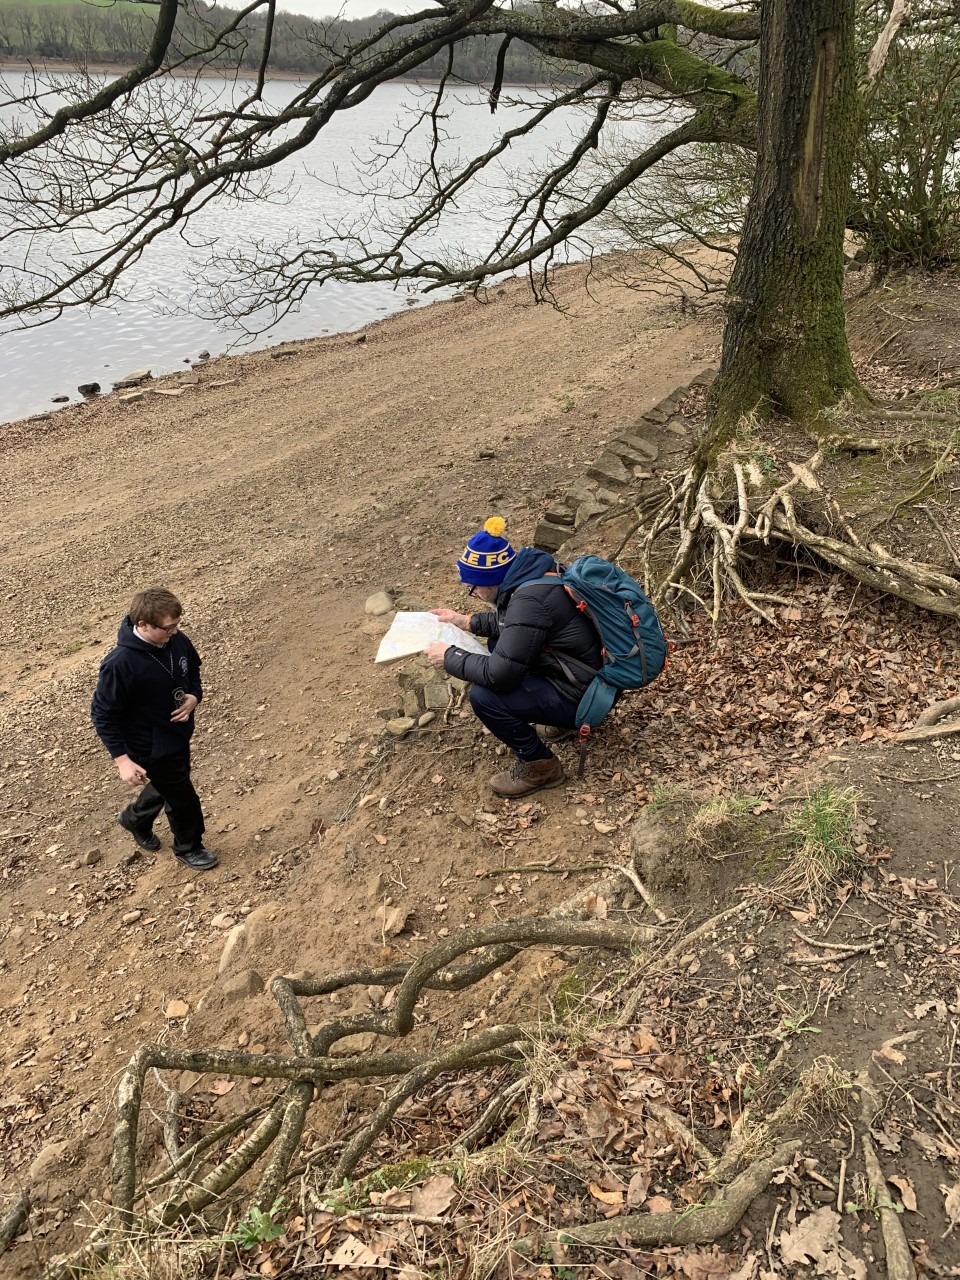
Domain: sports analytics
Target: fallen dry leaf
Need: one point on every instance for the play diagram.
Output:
(906, 1191)
(606, 1197)
(352, 1253)
(659, 1204)
(812, 1240)
(951, 1206)
(433, 1197)
(708, 1266)
(222, 1087)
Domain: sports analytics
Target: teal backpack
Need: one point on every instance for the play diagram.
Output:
(633, 645)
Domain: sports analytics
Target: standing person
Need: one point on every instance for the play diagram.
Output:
(542, 654)
(143, 711)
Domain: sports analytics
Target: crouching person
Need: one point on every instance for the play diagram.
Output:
(542, 652)
(143, 712)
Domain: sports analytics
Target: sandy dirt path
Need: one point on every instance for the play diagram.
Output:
(273, 505)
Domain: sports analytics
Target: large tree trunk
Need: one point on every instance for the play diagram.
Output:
(784, 346)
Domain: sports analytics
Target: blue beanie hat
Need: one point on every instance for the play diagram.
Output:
(488, 555)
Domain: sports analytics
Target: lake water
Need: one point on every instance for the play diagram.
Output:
(158, 324)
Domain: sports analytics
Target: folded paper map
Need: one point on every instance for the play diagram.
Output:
(412, 632)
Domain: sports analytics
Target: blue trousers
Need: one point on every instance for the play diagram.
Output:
(510, 716)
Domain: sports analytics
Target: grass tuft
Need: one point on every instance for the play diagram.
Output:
(820, 832)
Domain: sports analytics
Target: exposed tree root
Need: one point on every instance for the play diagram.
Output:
(13, 1222)
(929, 722)
(278, 1126)
(715, 533)
(697, 1224)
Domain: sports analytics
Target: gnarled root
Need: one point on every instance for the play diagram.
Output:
(697, 1224)
(279, 1125)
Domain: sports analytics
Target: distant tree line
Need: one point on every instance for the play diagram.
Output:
(119, 33)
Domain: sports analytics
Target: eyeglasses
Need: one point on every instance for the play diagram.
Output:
(167, 631)
(472, 592)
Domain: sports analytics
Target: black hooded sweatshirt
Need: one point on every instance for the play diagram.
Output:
(137, 692)
(533, 628)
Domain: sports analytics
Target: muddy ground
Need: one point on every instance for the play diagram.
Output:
(274, 504)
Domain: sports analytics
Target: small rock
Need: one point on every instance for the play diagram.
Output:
(223, 921)
(130, 397)
(222, 382)
(333, 775)
(281, 355)
(59, 399)
(89, 388)
(167, 391)
(132, 379)
(176, 1009)
(487, 453)
(400, 727)
(426, 718)
(189, 380)
(48, 1160)
(90, 858)
(605, 828)
(360, 339)
(233, 945)
(131, 917)
(243, 985)
(204, 355)
(380, 602)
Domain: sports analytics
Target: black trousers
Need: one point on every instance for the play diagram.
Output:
(171, 790)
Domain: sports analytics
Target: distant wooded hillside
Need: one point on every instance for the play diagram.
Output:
(119, 33)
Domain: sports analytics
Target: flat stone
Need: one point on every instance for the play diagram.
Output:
(90, 858)
(610, 470)
(427, 718)
(167, 391)
(222, 382)
(176, 1009)
(582, 491)
(132, 379)
(380, 602)
(587, 510)
(413, 677)
(630, 454)
(436, 695)
(59, 399)
(387, 713)
(243, 985)
(456, 683)
(550, 536)
(131, 917)
(130, 397)
(400, 727)
(704, 378)
(559, 514)
(188, 380)
(677, 427)
(656, 415)
(645, 450)
(411, 704)
(222, 920)
(360, 339)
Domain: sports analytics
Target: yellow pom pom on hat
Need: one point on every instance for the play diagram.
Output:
(487, 556)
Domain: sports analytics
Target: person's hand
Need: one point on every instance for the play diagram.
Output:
(131, 772)
(185, 709)
(461, 620)
(435, 652)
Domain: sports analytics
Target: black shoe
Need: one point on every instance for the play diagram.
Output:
(198, 859)
(146, 840)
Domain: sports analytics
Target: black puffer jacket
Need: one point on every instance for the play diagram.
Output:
(528, 624)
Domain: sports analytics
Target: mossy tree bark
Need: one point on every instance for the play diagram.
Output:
(784, 345)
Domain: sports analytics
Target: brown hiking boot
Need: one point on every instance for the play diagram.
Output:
(552, 733)
(525, 776)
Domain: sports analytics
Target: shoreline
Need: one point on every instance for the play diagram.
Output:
(62, 66)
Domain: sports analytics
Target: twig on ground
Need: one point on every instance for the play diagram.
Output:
(642, 889)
